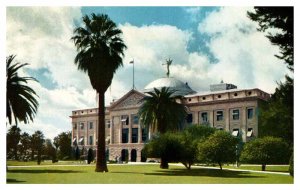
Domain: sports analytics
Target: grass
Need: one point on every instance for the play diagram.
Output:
(279, 168)
(47, 162)
(138, 174)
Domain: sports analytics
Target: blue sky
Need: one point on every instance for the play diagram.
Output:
(206, 44)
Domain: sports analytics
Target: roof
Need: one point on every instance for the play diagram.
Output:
(178, 86)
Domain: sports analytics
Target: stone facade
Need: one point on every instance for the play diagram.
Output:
(231, 110)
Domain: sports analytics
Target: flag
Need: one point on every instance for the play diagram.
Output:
(131, 62)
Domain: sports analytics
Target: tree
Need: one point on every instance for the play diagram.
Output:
(100, 51)
(37, 144)
(62, 142)
(281, 18)
(13, 138)
(219, 147)
(277, 117)
(25, 145)
(21, 103)
(266, 150)
(192, 136)
(162, 113)
(49, 150)
(167, 146)
(291, 167)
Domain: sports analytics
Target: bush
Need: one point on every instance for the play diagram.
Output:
(90, 156)
(193, 135)
(66, 158)
(219, 147)
(166, 146)
(266, 150)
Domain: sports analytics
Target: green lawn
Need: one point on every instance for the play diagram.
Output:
(283, 168)
(138, 174)
(47, 162)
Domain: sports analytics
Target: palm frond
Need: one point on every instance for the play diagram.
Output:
(21, 100)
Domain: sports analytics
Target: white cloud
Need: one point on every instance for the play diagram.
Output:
(193, 12)
(246, 57)
(41, 37)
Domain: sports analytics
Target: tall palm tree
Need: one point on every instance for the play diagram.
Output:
(21, 100)
(162, 113)
(100, 53)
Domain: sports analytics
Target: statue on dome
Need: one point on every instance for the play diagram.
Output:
(168, 63)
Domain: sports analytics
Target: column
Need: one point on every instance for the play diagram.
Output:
(243, 119)
(196, 118)
(227, 116)
(129, 128)
(140, 133)
(111, 131)
(95, 133)
(87, 133)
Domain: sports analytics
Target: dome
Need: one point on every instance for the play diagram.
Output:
(178, 86)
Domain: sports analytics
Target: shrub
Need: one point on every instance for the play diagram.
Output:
(90, 156)
(266, 150)
(219, 147)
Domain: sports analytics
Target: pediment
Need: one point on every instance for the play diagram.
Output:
(130, 100)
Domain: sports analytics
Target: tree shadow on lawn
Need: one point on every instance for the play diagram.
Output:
(204, 172)
(14, 181)
(43, 171)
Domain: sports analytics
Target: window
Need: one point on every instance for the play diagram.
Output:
(204, 118)
(74, 140)
(91, 140)
(235, 94)
(203, 98)
(135, 120)
(124, 120)
(250, 113)
(189, 118)
(219, 115)
(249, 132)
(144, 134)
(75, 126)
(220, 128)
(249, 93)
(124, 135)
(235, 114)
(91, 125)
(81, 140)
(219, 96)
(107, 123)
(135, 135)
(235, 132)
(81, 126)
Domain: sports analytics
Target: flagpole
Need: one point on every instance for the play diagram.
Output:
(133, 87)
(133, 76)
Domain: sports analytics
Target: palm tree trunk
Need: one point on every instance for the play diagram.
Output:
(101, 159)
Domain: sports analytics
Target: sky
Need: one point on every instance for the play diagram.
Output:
(206, 44)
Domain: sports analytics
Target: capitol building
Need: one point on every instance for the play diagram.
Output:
(224, 107)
